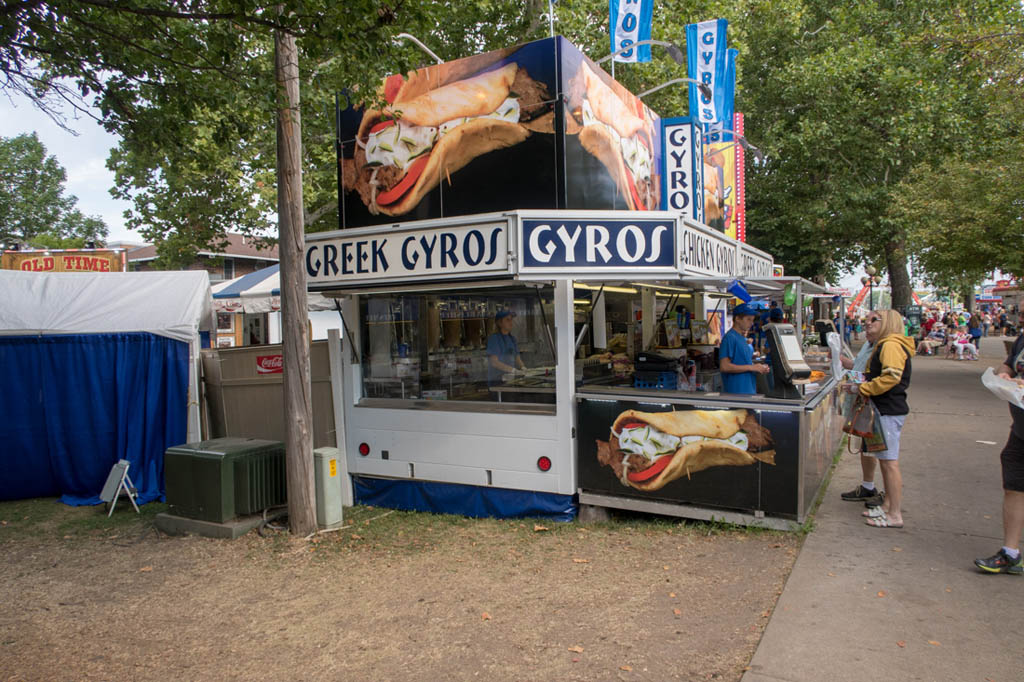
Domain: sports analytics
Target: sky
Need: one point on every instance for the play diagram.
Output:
(83, 157)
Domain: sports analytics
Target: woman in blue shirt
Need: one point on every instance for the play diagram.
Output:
(736, 357)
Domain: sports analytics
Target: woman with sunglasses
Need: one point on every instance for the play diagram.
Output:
(866, 492)
(886, 382)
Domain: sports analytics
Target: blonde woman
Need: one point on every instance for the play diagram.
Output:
(886, 382)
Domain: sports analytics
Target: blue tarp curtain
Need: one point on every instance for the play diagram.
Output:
(467, 500)
(73, 405)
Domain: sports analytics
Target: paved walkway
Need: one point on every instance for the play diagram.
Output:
(871, 604)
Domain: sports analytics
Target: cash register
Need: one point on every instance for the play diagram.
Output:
(787, 360)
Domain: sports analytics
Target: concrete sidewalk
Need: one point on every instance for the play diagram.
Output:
(871, 604)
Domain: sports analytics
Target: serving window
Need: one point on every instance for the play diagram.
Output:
(439, 345)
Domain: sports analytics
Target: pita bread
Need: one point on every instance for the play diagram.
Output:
(453, 152)
(694, 457)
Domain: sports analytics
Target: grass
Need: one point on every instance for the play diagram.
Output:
(364, 529)
(45, 518)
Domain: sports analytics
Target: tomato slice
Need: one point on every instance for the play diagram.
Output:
(633, 425)
(651, 471)
(392, 84)
(640, 206)
(393, 194)
(382, 125)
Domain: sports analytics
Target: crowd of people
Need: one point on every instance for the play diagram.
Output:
(886, 361)
(960, 333)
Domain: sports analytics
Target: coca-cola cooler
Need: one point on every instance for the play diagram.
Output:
(243, 393)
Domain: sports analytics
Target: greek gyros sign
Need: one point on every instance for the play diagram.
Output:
(438, 252)
(596, 244)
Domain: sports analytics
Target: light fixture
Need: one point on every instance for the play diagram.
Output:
(590, 287)
(742, 141)
(705, 89)
(413, 39)
(661, 287)
(673, 50)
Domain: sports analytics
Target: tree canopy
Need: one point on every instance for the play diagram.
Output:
(867, 112)
(34, 208)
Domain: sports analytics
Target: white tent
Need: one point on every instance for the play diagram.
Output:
(98, 367)
(259, 292)
(172, 304)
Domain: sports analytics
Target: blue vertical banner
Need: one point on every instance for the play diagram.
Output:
(716, 132)
(629, 22)
(706, 62)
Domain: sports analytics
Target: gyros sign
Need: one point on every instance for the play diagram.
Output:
(434, 252)
(599, 245)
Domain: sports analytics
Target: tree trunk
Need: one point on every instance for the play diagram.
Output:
(968, 294)
(298, 404)
(899, 277)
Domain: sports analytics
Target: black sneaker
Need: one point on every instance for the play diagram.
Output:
(1001, 563)
(876, 500)
(859, 494)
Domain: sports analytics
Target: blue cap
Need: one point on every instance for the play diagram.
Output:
(502, 314)
(744, 309)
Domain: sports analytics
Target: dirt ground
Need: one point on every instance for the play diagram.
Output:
(394, 596)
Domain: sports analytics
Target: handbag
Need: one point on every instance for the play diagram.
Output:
(862, 419)
(876, 441)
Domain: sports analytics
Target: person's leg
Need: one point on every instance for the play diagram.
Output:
(1008, 558)
(1013, 518)
(867, 468)
(893, 491)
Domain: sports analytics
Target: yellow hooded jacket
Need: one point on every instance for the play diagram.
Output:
(893, 352)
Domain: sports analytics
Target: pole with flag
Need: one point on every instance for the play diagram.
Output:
(629, 21)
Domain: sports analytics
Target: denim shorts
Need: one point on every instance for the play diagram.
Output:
(892, 427)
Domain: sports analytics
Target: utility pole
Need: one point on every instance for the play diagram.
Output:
(298, 404)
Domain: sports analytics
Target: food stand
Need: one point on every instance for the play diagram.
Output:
(424, 428)
(510, 285)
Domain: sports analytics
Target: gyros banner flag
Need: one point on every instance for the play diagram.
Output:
(630, 22)
(706, 57)
(718, 131)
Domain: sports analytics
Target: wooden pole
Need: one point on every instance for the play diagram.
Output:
(298, 405)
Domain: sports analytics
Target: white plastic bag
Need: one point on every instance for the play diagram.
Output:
(1010, 391)
(836, 346)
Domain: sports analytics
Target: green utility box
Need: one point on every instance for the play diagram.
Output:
(216, 480)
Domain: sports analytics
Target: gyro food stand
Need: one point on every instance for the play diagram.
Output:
(429, 426)
(510, 288)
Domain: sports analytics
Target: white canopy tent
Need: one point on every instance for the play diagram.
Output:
(259, 292)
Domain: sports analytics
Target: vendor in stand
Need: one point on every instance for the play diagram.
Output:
(502, 349)
(736, 357)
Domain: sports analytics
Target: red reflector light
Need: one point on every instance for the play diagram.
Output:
(544, 463)
(364, 449)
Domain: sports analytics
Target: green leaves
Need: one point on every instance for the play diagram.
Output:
(33, 207)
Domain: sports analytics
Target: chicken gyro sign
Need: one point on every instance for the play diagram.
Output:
(437, 252)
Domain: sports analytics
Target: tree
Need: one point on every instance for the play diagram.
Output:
(34, 209)
(857, 98)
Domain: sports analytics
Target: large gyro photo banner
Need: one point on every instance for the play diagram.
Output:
(533, 126)
(737, 459)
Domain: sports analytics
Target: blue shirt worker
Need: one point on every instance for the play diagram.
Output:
(502, 349)
(736, 357)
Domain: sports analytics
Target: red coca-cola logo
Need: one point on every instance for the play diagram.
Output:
(269, 364)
